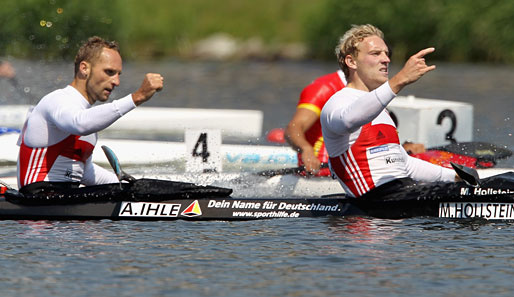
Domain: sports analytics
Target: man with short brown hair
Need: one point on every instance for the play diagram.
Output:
(59, 135)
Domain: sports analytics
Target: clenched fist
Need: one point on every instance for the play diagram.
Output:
(153, 82)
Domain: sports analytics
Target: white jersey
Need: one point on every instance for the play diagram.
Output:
(363, 144)
(59, 136)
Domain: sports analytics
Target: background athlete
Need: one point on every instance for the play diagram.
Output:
(303, 132)
(6, 70)
(59, 135)
(360, 136)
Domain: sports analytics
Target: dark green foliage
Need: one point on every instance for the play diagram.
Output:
(460, 30)
(54, 28)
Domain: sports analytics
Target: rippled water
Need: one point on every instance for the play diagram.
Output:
(307, 257)
(310, 257)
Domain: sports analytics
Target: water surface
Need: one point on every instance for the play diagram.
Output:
(308, 257)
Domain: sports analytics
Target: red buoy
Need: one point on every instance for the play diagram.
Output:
(276, 135)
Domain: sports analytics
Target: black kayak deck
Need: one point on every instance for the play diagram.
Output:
(486, 207)
(262, 208)
(493, 200)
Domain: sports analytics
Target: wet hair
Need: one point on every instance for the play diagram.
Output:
(91, 50)
(349, 42)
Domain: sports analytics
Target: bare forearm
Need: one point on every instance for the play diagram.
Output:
(296, 138)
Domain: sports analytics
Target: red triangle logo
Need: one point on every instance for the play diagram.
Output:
(192, 210)
(380, 135)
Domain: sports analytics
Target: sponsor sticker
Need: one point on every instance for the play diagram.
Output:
(193, 210)
(149, 209)
(394, 159)
(272, 205)
(273, 209)
(378, 149)
(485, 210)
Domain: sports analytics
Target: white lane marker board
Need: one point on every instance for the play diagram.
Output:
(432, 122)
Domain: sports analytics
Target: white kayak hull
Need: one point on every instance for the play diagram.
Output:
(165, 121)
(146, 152)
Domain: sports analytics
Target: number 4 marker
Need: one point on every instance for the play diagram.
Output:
(203, 150)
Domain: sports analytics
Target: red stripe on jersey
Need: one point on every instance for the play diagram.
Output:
(352, 167)
(76, 149)
(338, 167)
(36, 163)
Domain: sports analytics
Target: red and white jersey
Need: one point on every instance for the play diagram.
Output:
(363, 144)
(59, 135)
(63, 161)
(313, 97)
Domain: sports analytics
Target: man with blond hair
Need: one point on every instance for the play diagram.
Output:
(360, 136)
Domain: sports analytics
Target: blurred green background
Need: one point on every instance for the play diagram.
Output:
(461, 30)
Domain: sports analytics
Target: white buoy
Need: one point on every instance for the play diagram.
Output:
(432, 122)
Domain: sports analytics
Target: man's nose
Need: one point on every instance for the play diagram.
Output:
(116, 80)
(385, 58)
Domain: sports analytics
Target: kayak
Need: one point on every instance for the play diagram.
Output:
(152, 199)
(246, 185)
(254, 157)
(277, 183)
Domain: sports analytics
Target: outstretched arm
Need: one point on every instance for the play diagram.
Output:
(370, 105)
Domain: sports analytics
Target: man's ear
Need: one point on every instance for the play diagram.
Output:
(350, 62)
(84, 69)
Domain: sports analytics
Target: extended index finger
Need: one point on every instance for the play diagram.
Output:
(424, 52)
